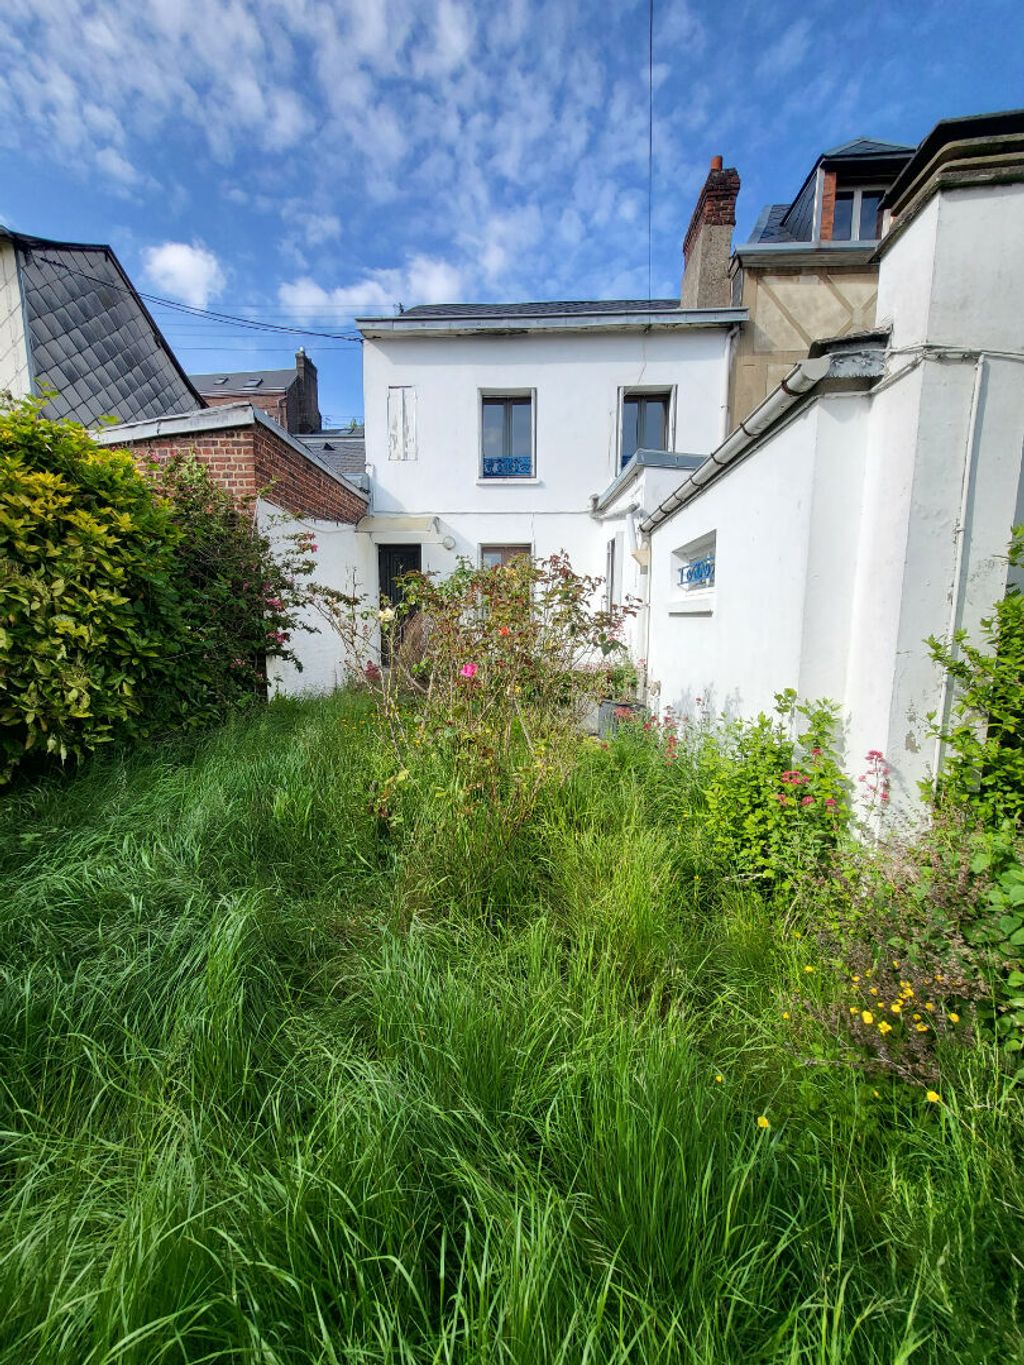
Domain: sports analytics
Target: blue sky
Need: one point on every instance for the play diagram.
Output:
(300, 161)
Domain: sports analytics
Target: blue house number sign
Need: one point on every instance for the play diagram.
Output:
(699, 573)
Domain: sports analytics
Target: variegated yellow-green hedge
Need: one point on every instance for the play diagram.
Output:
(88, 604)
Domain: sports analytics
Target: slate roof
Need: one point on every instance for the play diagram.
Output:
(244, 381)
(338, 449)
(91, 337)
(555, 308)
(793, 222)
(864, 146)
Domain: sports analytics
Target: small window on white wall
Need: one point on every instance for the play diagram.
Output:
(694, 575)
(402, 422)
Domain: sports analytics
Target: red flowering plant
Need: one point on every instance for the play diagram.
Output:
(482, 682)
(776, 791)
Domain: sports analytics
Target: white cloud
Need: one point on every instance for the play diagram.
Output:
(187, 272)
(784, 55)
(110, 161)
(423, 279)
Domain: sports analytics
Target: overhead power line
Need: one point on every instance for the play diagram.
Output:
(210, 314)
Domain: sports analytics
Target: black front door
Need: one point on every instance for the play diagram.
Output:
(393, 561)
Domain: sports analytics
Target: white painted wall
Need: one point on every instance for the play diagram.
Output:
(15, 377)
(576, 380)
(866, 524)
(346, 561)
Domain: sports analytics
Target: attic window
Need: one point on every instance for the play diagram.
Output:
(222, 380)
(327, 446)
(855, 218)
(252, 383)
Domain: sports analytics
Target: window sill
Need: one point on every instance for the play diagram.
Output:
(506, 483)
(694, 604)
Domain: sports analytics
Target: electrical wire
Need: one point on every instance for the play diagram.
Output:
(650, 150)
(188, 309)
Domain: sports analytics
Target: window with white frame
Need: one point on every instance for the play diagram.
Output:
(646, 414)
(506, 435)
(855, 216)
(693, 571)
(401, 422)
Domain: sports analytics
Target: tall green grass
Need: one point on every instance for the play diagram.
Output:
(255, 1108)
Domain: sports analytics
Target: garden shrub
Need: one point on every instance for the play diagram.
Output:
(240, 598)
(776, 795)
(984, 766)
(490, 674)
(128, 605)
(89, 608)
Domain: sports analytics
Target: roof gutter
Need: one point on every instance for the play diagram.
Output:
(801, 379)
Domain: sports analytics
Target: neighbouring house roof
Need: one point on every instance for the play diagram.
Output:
(948, 138)
(455, 319)
(794, 222)
(219, 418)
(91, 338)
(640, 460)
(341, 450)
(242, 381)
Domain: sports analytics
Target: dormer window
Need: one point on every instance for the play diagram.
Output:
(855, 218)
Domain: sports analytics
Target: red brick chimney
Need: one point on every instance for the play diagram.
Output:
(708, 242)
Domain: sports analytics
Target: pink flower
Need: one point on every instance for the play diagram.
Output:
(275, 602)
(468, 671)
(504, 630)
(874, 753)
(807, 801)
(314, 547)
(782, 799)
(830, 802)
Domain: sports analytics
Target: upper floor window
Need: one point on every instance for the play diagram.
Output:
(506, 436)
(644, 422)
(855, 218)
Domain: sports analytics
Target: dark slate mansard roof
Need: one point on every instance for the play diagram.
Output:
(794, 222)
(245, 381)
(92, 339)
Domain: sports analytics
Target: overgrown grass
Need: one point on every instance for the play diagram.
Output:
(254, 1108)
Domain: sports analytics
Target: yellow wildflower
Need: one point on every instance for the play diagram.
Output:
(762, 1122)
(916, 1017)
(873, 990)
(933, 1097)
(929, 1006)
(785, 1014)
(921, 1028)
(896, 1007)
(718, 1079)
(876, 1094)
(808, 969)
(856, 978)
(896, 964)
(867, 1016)
(885, 1027)
(954, 1018)
(854, 1009)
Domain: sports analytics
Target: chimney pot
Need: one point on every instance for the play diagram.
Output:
(716, 163)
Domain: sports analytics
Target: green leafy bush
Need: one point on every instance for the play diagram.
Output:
(775, 790)
(984, 768)
(240, 598)
(128, 605)
(89, 609)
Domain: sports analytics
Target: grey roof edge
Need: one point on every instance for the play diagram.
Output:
(215, 419)
(669, 319)
(845, 371)
(837, 154)
(643, 459)
(49, 244)
(773, 251)
(239, 375)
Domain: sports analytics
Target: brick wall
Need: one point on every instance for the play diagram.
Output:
(248, 460)
(299, 485)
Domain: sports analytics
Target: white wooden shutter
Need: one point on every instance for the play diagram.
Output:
(402, 423)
